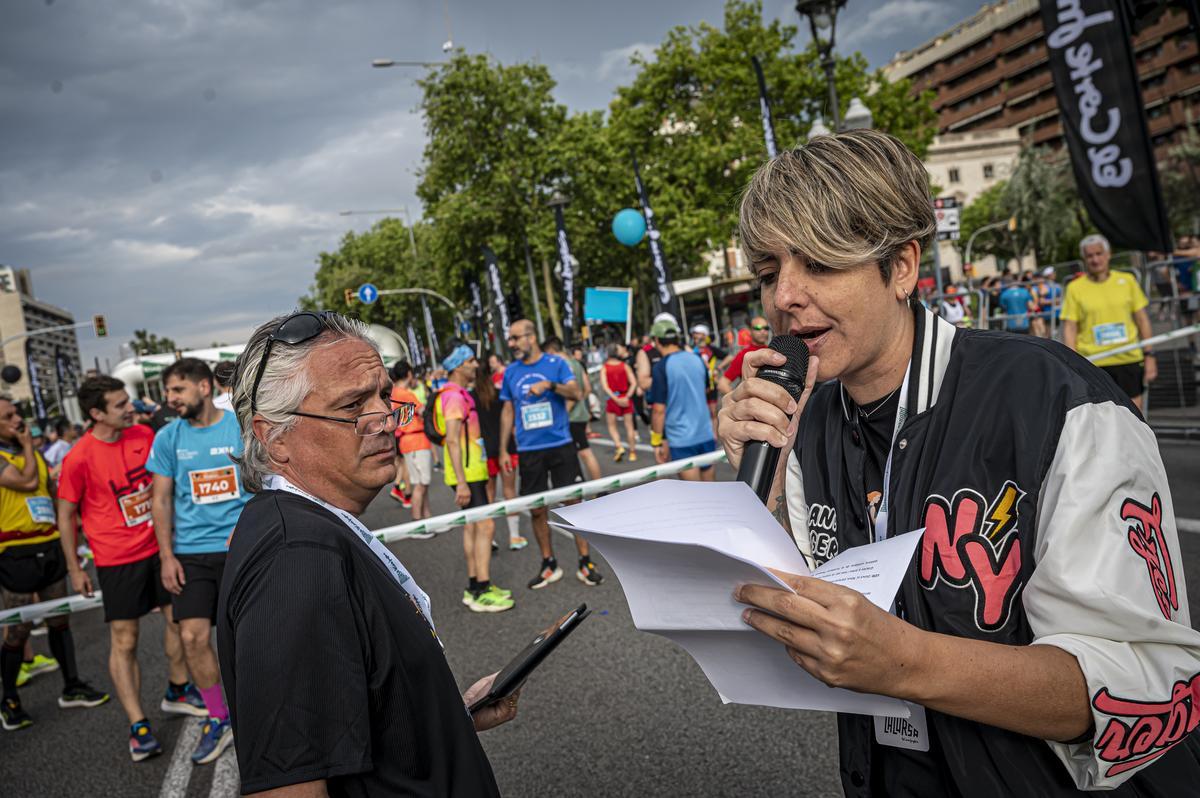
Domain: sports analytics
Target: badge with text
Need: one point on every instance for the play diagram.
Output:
(911, 732)
(41, 509)
(537, 416)
(135, 507)
(213, 485)
(1110, 334)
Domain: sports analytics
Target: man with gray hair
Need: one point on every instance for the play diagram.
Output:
(334, 674)
(1106, 311)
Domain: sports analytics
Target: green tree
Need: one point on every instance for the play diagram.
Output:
(692, 116)
(988, 208)
(147, 343)
(1180, 176)
(1042, 194)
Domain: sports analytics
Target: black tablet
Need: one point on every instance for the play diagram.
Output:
(509, 680)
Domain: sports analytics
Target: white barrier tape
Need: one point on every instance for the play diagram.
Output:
(441, 523)
(1182, 332)
(580, 490)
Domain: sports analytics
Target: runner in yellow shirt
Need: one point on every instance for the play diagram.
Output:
(1107, 310)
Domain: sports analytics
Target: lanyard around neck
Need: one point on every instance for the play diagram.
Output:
(389, 560)
(901, 415)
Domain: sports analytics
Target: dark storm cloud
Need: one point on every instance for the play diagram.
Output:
(178, 164)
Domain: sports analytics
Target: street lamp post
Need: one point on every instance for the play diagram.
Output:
(822, 22)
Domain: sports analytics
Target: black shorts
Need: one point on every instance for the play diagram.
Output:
(479, 495)
(202, 573)
(132, 590)
(1129, 377)
(32, 568)
(579, 436)
(558, 466)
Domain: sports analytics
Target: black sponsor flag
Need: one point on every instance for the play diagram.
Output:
(568, 274)
(497, 287)
(664, 295)
(434, 348)
(35, 383)
(1100, 105)
(476, 300)
(414, 347)
(764, 107)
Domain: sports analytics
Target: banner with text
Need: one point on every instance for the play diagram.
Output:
(764, 107)
(497, 287)
(664, 294)
(414, 347)
(434, 348)
(1100, 106)
(568, 275)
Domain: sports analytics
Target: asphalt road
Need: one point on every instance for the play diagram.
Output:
(614, 712)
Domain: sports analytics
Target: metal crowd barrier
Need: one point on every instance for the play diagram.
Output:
(415, 530)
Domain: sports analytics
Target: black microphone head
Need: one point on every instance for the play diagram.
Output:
(792, 374)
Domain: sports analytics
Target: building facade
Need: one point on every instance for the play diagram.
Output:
(992, 71)
(49, 361)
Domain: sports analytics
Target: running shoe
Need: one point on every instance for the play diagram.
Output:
(548, 575)
(632, 456)
(399, 495)
(81, 694)
(587, 573)
(491, 600)
(468, 597)
(142, 744)
(517, 543)
(12, 717)
(215, 737)
(495, 545)
(36, 667)
(619, 454)
(187, 701)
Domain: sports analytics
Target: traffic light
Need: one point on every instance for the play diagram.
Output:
(349, 296)
(100, 325)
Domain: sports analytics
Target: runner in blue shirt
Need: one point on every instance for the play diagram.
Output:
(197, 495)
(679, 423)
(534, 392)
(1016, 300)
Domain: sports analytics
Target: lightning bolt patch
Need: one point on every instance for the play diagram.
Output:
(1002, 515)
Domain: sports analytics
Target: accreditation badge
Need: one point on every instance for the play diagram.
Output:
(911, 732)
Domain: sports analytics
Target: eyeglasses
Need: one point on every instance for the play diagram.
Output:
(518, 337)
(295, 329)
(369, 424)
(760, 327)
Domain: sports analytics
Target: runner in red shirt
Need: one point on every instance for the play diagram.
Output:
(617, 380)
(104, 478)
(760, 335)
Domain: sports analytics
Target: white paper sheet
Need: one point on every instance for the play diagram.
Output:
(680, 549)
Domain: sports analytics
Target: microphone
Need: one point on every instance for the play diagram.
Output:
(759, 458)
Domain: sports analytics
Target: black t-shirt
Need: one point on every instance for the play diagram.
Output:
(329, 668)
(894, 771)
(489, 427)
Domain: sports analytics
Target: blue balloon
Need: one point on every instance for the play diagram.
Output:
(629, 226)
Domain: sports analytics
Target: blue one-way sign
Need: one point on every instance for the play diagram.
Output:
(367, 293)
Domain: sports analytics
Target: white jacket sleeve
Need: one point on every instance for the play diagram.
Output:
(797, 507)
(1108, 587)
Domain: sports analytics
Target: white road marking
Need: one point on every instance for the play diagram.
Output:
(175, 783)
(226, 782)
(1188, 525)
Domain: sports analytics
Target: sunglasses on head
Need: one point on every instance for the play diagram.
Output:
(295, 329)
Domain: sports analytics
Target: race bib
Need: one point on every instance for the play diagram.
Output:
(41, 509)
(1110, 334)
(213, 485)
(537, 416)
(135, 507)
(911, 732)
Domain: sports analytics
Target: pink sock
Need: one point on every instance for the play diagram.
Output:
(214, 699)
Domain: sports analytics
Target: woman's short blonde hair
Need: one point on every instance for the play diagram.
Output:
(840, 201)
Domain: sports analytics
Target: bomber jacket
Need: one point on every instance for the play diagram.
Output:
(1048, 520)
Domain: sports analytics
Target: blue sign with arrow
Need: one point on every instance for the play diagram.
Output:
(368, 293)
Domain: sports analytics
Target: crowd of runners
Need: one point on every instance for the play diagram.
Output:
(141, 502)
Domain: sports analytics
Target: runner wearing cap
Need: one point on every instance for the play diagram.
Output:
(197, 495)
(457, 420)
(31, 562)
(536, 387)
(680, 425)
(104, 479)
(714, 358)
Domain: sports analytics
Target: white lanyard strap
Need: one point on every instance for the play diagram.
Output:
(884, 504)
(393, 565)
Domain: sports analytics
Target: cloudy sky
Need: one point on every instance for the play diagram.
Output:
(178, 164)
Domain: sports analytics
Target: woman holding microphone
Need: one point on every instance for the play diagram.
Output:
(1042, 619)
